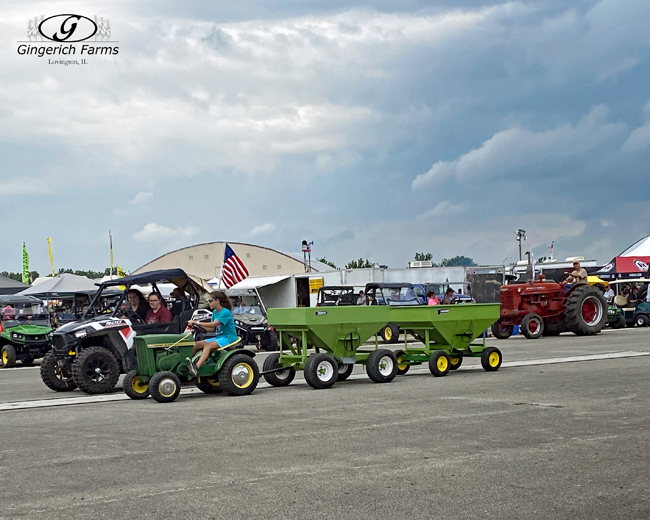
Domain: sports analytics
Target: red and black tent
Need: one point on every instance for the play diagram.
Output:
(631, 263)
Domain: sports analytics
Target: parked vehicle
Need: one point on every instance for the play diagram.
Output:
(92, 352)
(632, 315)
(392, 294)
(25, 332)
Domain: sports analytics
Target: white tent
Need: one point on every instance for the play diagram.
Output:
(64, 284)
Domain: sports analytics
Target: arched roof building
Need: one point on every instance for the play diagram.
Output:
(205, 260)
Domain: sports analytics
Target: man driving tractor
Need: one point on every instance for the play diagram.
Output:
(578, 275)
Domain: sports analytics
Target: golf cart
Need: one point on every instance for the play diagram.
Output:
(25, 331)
(633, 316)
(330, 295)
(392, 294)
(90, 353)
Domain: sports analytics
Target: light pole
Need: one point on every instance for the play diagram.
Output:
(306, 253)
(521, 235)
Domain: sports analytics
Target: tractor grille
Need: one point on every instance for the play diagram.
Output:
(507, 299)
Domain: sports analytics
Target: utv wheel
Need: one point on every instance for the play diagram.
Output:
(439, 363)
(491, 359)
(532, 326)
(402, 365)
(239, 375)
(455, 362)
(641, 320)
(620, 323)
(501, 331)
(586, 310)
(55, 377)
(164, 387)
(134, 386)
(269, 341)
(8, 356)
(390, 333)
(321, 371)
(344, 372)
(281, 378)
(381, 366)
(27, 360)
(95, 370)
(208, 385)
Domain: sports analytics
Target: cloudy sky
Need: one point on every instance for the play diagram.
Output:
(375, 129)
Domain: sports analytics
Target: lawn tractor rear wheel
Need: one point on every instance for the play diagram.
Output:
(501, 331)
(8, 356)
(439, 363)
(134, 387)
(164, 386)
(280, 378)
(381, 366)
(532, 326)
(345, 371)
(402, 366)
(239, 375)
(491, 359)
(321, 371)
(208, 385)
(455, 362)
(55, 377)
(586, 310)
(641, 320)
(390, 333)
(95, 370)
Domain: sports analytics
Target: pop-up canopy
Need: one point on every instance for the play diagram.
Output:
(631, 263)
(61, 285)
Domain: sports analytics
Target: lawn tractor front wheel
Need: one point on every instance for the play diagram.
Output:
(281, 377)
(439, 363)
(134, 387)
(8, 356)
(402, 365)
(491, 359)
(321, 371)
(381, 366)
(164, 386)
(239, 375)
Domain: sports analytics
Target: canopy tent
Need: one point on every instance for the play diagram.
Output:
(60, 286)
(9, 286)
(631, 263)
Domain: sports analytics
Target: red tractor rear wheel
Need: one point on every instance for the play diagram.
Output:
(586, 310)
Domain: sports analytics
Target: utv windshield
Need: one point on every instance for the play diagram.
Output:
(25, 314)
(398, 295)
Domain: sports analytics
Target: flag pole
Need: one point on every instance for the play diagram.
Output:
(110, 240)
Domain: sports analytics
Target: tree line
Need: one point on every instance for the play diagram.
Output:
(361, 263)
(35, 274)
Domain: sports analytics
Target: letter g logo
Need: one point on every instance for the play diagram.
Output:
(69, 28)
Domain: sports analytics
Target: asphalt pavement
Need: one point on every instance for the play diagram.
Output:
(560, 431)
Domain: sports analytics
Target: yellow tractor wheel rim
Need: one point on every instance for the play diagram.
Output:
(5, 357)
(400, 363)
(388, 333)
(249, 379)
(494, 359)
(138, 386)
(454, 361)
(442, 363)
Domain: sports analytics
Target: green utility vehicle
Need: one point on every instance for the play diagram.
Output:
(25, 332)
(339, 332)
(162, 368)
(447, 333)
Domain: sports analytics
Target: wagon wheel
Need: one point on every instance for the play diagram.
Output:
(439, 363)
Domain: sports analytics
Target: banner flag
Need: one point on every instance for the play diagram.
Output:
(49, 243)
(110, 239)
(25, 264)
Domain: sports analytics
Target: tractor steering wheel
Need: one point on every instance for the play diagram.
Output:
(197, 328)
(133, 316)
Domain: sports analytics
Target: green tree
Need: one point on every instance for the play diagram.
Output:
(327, 262)
(89, 273)
(358, 264)
(456, 261)
(19, 276)
(423, 257)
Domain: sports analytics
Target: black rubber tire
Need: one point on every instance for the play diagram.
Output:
(455, 361)
(311, 371)
(8, 356)
(621, 321)
(283, 378)
(54, 379)
(208, 385)
(573, 311)
(345, 371)
(641, 321)
(381, 366)
(439, 363)
(502, 331)
(133, 386)
(532, 326)
(85, 364)
(269, 341)
(490, 363)
(164, 386)
(554, 328)
(390, 333)
(404, 368)
(27, 360)
(226, 375)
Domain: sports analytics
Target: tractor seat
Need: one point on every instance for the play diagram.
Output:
(214, 353)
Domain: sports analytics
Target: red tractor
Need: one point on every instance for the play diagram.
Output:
(543, 308)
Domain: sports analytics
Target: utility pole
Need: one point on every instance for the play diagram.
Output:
(521, 235)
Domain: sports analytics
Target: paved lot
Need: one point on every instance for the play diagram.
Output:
(560, 440)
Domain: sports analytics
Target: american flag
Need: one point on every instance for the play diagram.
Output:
(233, 270)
